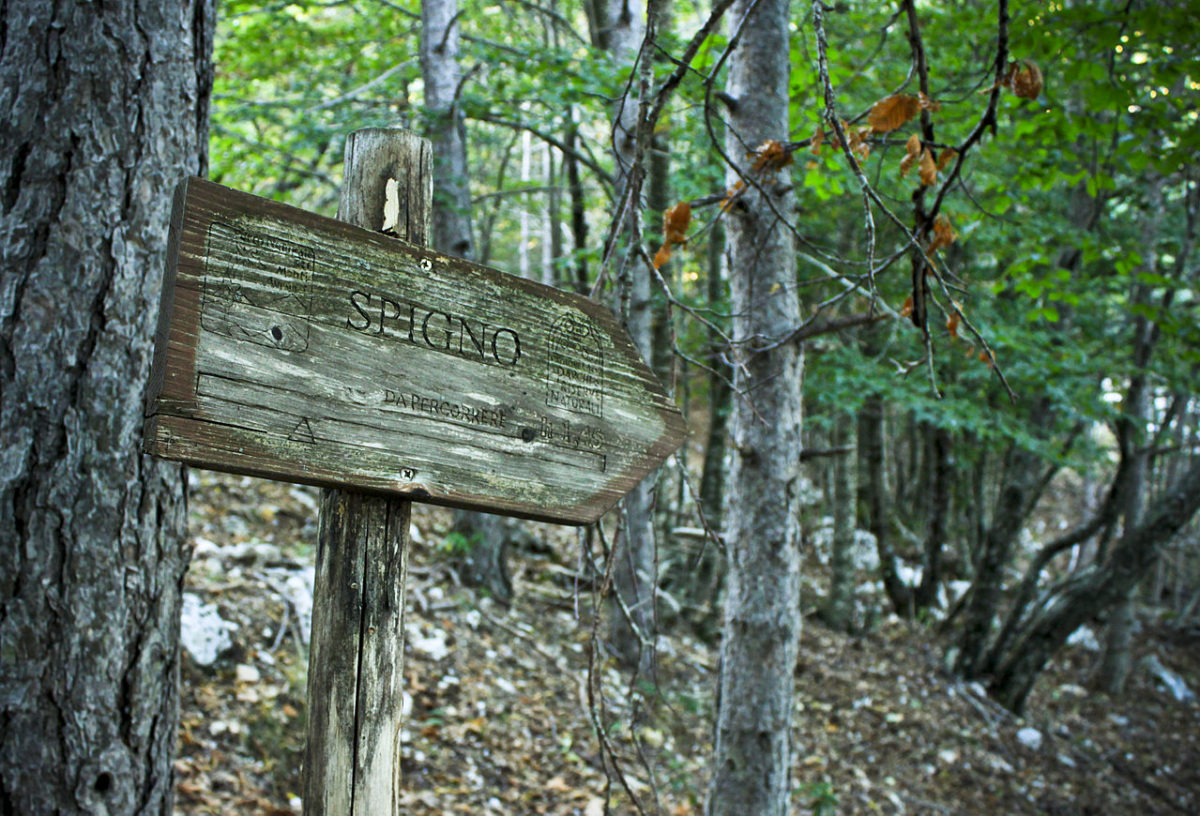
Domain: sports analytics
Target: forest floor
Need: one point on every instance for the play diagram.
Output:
(500, 722)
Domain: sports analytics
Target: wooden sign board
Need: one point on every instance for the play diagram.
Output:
(300, 348)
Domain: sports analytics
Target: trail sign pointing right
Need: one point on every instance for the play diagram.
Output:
(300, 348)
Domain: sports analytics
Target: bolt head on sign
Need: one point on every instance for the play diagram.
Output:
(295, 347)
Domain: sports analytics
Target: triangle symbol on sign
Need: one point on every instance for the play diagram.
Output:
(302, 432)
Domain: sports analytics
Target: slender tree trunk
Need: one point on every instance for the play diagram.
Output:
(579, 227)
(941, 473)
(1017, 486)
(712, 477)
(482, 559)
(1117, 661)
(760, 642)
(103, 109)
(708, 577)
(1096, 588)
(839, 610)
(618, 26)
(447, 128)
(874, 498)
(552, 247)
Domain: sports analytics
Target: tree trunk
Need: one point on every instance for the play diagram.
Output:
(760, 640)
(839, 610)
(940, 475)
(1095, 589)
(983, 602)
(712, 477)
(874, 499)
(579, 227)
(1117, 660)
(447, 128)
(708, 576)
(481, 560)
(104, 110)
(618, 27)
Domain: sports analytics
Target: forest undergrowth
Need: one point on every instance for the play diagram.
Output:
(499, 723)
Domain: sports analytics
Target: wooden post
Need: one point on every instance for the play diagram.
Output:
(355, 676)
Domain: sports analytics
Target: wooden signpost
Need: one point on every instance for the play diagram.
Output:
(301, 348)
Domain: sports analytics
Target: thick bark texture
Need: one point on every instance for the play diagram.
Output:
(762, 622)
(103, 109)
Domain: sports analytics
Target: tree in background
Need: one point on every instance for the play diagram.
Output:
(761, 630)
(105, 110)
(973, 246)
(482, 538)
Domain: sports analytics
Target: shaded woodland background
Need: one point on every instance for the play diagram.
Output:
(975, 474)
(921, 277)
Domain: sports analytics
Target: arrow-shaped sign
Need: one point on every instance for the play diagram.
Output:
(296, 347)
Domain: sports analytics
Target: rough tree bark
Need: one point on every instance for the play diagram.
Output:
(103, 109)
(761, 631)
(482, 561)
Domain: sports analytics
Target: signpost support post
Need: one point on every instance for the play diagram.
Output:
(296, 347)
(355, 672)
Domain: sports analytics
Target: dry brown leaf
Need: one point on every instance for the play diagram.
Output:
(907, 308)
(727, 202)
(770, 155)
(943, 233)
(859, 142)
(893, 112)
(1026, 79)
(912, 152)
(931, 105)
(817, 140)
(952, 324)
(675, 223)
(946, 157)
(928, 168)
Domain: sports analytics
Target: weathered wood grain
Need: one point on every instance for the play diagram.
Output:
(304, 349)
(356, 667)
